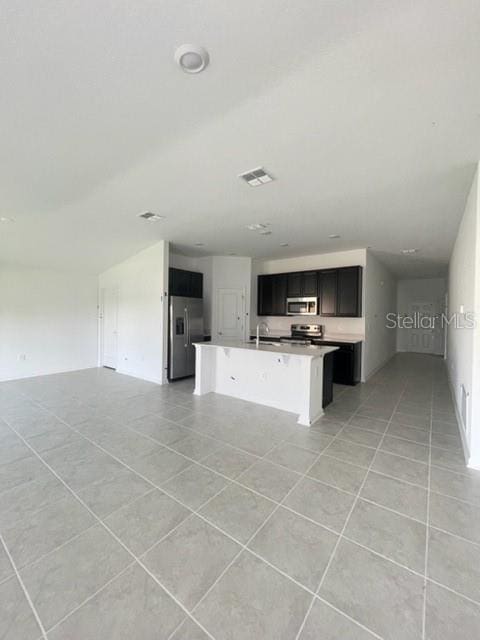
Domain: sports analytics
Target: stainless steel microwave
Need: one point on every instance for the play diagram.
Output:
(302, 306)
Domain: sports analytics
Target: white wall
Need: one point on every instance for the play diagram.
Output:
(421, 290)
(354, 326)
(50, 318)
(380, 299)
(230, 272)
(142, 283)
(463, 345)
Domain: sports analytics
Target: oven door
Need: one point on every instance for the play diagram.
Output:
(301, 306)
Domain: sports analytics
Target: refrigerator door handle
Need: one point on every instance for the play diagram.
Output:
(186, 330)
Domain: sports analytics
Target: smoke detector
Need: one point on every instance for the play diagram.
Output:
(191, 58)
(256, 177)
(151, 217)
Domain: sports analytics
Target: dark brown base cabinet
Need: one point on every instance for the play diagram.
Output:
(327, 378)
(339, 291)
(347, 362)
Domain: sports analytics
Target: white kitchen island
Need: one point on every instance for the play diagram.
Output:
(288, 377)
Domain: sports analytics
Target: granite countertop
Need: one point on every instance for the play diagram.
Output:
(310, 351)
(342, 337)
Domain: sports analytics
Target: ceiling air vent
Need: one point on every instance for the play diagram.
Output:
(256, 177)
(151, 217)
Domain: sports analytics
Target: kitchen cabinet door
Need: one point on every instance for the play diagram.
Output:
(272, 295)
(196, 284)
(185, 283)
(349, 292)
(294, 285)
(179, 282)
(279, 295)
(327, 291)
(309, 284)
(265, 296)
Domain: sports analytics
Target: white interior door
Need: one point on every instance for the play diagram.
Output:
(109, 327)
(231, 314)
(421, 336)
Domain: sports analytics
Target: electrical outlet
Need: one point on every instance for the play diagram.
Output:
(263, 376)
(22, 356)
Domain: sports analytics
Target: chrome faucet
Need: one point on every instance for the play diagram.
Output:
(265, 325)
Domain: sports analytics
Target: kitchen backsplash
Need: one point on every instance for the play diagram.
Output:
(355, 326)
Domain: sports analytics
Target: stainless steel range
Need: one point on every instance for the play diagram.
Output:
(304, 334)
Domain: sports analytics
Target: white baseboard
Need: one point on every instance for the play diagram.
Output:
(380, 366)
(126, 372)
(50, 372)
(461, 427)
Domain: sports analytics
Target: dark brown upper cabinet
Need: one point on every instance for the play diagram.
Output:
(339, 291)
(327, 292)
(185, 283)
(294, 285)
(272, 295)
(302, 284)
(349, 292)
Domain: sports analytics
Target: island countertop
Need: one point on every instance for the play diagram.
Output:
(309, 351)
(343, 338)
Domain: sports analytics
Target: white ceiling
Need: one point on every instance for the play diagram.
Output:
(367, 113)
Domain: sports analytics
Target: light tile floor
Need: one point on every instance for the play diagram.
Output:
(129, 510)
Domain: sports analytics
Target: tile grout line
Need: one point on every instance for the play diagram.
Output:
(201, 460)
(230, 480)
(158, 487)
(245, 546)
(131, 564)
(206, 520)
(24, 589)
(161, 446)
(92, 595)
(332, 555)
(427, 528)
(114, 535)
(224, 443)
(32, 563)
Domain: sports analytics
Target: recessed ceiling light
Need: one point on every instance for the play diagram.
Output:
(256, 177)
(265, 232)
(284, 244)
(407, 252)
(191, 58)
(257, 226)
(151, 217)
(5, 219)
(334, 236)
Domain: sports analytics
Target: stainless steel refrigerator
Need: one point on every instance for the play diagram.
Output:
(186, 327)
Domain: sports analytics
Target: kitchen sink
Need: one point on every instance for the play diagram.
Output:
(268, 344)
